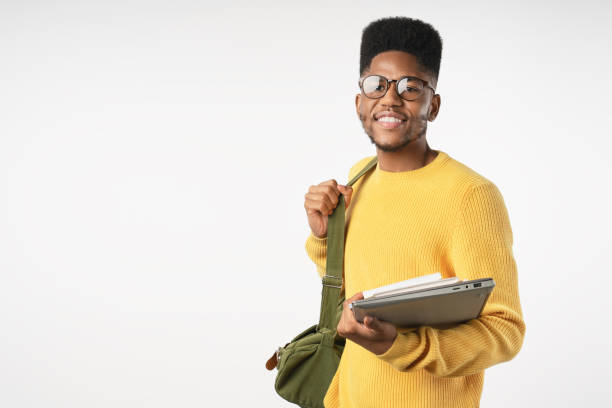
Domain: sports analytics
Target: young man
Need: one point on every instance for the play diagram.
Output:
(417, 212)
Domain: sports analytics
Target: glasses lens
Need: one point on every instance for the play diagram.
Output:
(374, 86)
(410, 88)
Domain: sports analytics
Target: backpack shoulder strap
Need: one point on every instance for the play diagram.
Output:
(332, 281)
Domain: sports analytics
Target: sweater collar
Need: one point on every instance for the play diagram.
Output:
(436, 163)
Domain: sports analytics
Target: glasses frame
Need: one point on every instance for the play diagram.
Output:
(397, 81)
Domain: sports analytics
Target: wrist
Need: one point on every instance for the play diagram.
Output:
(324, 237)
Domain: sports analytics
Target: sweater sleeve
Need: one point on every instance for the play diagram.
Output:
(481, 247)
(316, 248)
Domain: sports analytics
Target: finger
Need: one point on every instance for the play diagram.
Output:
(315, 206)
(381, 329)
(327, 191)
(348, 315)
(325, 194)
(373, 324)
(347, 192)
(358, 331)
(356, 296)
(327, 186)
(319, 202)
(347, 312)
(332, 183)
(348, 326)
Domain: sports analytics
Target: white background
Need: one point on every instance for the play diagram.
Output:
(154, 158)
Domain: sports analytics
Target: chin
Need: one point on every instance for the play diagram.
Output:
(392, 145)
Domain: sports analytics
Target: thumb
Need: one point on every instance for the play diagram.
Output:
(372, 323)
(347, 192)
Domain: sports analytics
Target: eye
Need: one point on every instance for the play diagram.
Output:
(374, 86)
(410, 86)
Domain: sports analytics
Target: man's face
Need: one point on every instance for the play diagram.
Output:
(415, 114)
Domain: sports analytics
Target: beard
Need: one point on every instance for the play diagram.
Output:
(413, 133)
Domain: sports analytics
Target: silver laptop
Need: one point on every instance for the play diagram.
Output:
(441, 307)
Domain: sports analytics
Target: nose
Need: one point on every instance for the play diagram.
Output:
(391, 97)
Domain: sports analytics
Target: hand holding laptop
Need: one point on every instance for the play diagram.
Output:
(373, 334)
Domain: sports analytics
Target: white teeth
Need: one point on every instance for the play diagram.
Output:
(389, 119)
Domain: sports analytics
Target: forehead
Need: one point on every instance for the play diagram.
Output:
(395, 64)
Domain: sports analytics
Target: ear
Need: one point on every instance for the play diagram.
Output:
(434, 108)
(357, 103)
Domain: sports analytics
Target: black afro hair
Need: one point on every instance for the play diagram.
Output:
(403, 34)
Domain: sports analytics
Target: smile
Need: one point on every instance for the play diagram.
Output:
(388, 122)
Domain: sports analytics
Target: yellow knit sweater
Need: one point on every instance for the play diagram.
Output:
(443, 217)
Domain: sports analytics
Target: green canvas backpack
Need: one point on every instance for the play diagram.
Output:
(307, 364)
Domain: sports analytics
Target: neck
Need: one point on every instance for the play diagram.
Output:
(411, 157)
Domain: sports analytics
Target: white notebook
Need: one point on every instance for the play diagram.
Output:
(433, 280)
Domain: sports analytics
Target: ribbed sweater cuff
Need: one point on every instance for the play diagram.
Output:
(317, 239)
(316, 247)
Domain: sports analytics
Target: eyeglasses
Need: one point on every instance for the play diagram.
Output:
(408, 88)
